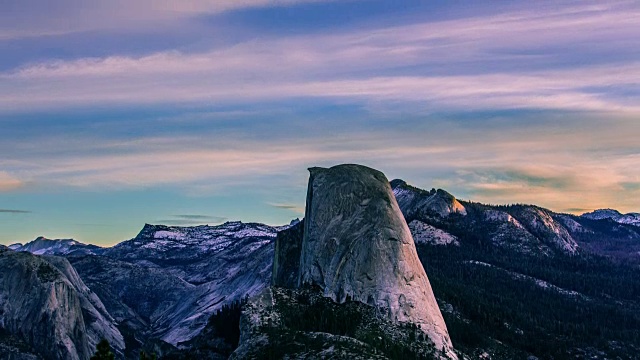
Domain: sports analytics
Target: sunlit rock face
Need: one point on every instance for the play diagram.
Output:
(421, 204)
(357, 244)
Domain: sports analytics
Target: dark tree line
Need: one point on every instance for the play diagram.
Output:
(226, 322)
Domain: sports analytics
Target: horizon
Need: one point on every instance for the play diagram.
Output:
(126, 113)
(222, 222)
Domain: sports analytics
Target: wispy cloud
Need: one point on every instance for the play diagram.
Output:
(549, 176)
(580, 60)
(9, 182)
(293, 207)
(34, 18)
(192, 219)
(580, 90)
(506, 73)
(12, 211)
(552, 163)
(577, 210)
(200, 217)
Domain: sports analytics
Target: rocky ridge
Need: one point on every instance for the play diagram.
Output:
(153, 284)
(44, 246)
(615, 215)
(418, 203)
(216, 264)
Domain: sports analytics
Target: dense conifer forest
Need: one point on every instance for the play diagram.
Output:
(553, 307)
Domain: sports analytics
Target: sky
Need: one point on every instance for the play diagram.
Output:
(118, 113)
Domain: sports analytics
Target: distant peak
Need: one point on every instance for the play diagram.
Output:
(395, 183)
(414, 201)
(401, 184)
(615, 215)
(602, 213)
(233, 222)
(15, 246)
(46, 239)
(149, 229)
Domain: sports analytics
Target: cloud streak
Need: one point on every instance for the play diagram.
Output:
(199, 217)
(192, 219)
(13, 211)
(293, 207)
(36, 18)
(349, 65)
(492, 161)
(535, 105)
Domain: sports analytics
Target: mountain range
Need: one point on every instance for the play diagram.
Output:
(509, 282)
(615, 215)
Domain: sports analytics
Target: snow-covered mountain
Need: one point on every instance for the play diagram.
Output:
(161, 286)
(525, 228)
(615, 215)
(44, 246)
(218, 264)
(166, 282)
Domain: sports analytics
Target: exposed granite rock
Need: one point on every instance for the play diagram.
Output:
(421, 204)
(218, 264)
(44, 246)
(136, 296)
(44, 302)
(286, 261)
(426, 234)
(357, 244)
(99, 323)
(541, 224)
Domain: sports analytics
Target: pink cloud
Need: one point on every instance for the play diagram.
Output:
(325, 65)
(9, 182)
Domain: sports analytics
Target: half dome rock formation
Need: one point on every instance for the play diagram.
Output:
(357, 245)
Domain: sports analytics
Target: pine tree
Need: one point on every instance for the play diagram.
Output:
(103, 351)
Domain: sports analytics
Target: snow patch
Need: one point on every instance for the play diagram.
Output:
(501, 216)
(168, 235)
(426, 234)
(615, 215)
(572, 225)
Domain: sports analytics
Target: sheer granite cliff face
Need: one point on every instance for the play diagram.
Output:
(357, 245)
(286, 261)
(44, 302)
